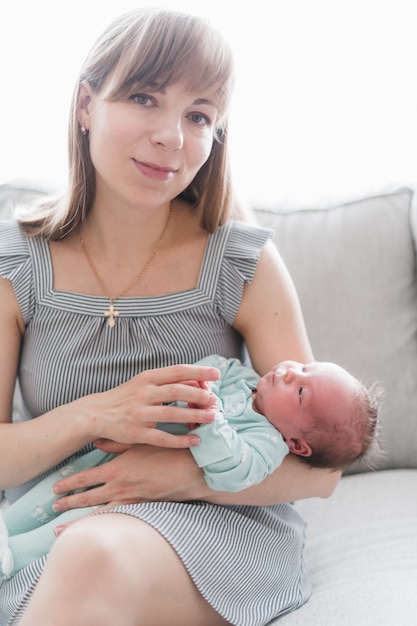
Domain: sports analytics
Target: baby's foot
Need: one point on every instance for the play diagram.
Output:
(6, 556)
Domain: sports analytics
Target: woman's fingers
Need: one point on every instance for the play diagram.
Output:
(112, 447)
(84, 489)
(178, 392)
(140, 474)
(179, 383)
(185, 414)
(129, 413)
(181, 373)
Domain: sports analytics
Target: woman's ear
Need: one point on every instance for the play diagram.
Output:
(84, 101)
(299, 446)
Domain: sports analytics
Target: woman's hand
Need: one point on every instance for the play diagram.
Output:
(146, 473)
(129, 413)
(140, 474)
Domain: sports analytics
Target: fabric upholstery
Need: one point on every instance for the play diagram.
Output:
(354, 268)
(361, 553)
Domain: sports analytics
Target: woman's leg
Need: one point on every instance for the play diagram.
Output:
(115, 569)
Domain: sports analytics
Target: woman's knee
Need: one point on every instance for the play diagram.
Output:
(89, 550)
(131, 569)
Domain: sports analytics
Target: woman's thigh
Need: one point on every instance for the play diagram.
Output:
(113, 568)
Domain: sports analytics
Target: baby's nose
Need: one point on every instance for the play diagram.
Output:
(293, 372)
(289, 374)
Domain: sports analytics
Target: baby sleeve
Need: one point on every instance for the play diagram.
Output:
(236, 458)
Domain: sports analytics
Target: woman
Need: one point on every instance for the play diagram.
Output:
(104, 293)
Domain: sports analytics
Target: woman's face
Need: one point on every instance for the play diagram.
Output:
(147, 147)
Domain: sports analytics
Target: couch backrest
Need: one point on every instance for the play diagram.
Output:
(20, 192)
(354, 266)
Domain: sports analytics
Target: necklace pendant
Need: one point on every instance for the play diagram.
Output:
(111, 314)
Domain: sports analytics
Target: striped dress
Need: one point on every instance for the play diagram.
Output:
(246, 561)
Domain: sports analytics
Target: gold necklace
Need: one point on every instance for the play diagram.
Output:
(111, 313)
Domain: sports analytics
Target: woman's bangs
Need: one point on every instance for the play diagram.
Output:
(197, 59)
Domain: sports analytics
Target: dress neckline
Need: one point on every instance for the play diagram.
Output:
(129, 305)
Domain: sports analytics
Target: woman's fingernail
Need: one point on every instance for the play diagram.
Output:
(194, 441)
(59, 530)
(57, 507)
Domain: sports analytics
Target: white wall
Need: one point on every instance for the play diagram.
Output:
(326, 99)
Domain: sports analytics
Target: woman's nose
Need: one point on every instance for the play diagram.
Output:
(169, 136)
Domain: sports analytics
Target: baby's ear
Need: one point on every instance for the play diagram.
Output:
(299, 446)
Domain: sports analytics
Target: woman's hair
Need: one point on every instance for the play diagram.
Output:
(148, 47)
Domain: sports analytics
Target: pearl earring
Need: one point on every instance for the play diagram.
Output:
(83, 130)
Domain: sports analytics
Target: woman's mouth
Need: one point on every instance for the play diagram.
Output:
(155, 171)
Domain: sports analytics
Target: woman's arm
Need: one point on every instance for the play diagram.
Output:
(293, 480)
(26, 448)
(270, 317)
(146, 473)
(127, 413)
(271, 321)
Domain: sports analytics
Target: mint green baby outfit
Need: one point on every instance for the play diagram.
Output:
(27, 526)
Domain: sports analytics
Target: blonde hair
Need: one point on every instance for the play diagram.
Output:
(148, 47)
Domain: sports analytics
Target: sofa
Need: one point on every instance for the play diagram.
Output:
(354, 265)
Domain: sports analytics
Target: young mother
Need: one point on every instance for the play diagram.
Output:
(106, 293)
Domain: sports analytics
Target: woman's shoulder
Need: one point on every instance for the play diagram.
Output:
(239, 244)
(16, 264)
(14, 249)
(13, 243)
(243, 236)
(230, 262)
(247, 227)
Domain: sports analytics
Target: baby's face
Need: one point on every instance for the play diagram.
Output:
(291, 395)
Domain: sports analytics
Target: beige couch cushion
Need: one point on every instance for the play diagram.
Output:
(354, 268)
(361, 553)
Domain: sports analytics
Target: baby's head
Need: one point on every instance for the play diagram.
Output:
(323, 412)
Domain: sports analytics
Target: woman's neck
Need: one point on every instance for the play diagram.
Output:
(117, 237)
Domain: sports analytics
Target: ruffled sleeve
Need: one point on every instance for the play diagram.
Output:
(244, 245)
(16, 266)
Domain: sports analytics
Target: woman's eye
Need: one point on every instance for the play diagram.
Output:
(142, 98)
(200, 119)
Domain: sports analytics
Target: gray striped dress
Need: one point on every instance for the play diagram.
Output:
(246, 561)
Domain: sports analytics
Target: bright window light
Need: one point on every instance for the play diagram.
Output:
(325, 102)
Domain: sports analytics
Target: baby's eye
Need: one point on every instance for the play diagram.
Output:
(142, 98)
(300, 393)
(200, 119)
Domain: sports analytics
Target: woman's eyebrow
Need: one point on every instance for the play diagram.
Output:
(205, 101)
